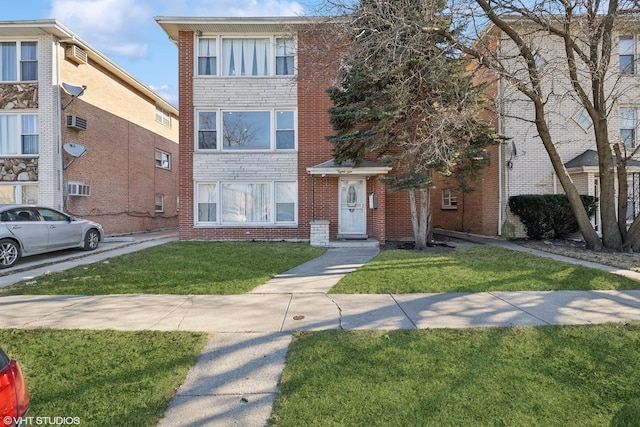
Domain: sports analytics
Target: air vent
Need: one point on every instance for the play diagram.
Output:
(78, 189)
(75, 54)
(76, 122)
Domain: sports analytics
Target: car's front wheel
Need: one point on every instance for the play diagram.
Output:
(91, 240)
(9, 253)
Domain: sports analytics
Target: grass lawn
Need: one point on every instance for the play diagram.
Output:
(211, 268)
(520, 376)
(473, 269)
(104, 378)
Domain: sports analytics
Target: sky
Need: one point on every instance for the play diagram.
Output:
(126, 32)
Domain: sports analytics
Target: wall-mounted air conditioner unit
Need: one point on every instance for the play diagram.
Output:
(75, 54)
(76, 122)
(78, 189)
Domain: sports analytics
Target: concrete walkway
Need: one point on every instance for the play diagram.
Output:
(235, 381)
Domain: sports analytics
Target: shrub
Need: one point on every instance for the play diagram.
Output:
(549, 215)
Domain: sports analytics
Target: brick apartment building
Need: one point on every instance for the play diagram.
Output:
(255, 163)
(107, 153)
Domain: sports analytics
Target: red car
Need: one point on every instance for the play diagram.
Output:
(14, 399)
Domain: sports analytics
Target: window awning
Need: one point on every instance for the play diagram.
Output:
(331, 168)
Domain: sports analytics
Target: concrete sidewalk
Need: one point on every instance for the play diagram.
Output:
(236, 377)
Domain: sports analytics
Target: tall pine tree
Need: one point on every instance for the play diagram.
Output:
(406, 99)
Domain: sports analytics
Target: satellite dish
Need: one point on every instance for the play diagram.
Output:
(73, 90)
(75, 150)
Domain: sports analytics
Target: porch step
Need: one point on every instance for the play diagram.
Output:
(354, 243)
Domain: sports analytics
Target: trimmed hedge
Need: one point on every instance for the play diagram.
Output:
(549, 215)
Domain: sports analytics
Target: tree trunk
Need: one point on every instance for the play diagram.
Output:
(611, 236)
(623, 190)
(421, 217)
(632, 241)
(591, 238)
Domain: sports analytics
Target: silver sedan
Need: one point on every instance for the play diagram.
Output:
(27, 230)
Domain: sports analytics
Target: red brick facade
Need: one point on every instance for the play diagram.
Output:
(318, 195)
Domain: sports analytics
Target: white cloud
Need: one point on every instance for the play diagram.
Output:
(225, 8)
(115, 27)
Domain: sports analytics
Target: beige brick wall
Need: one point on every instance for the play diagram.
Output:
(531, 171)
(122, 137)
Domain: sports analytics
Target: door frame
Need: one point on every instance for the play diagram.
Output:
(363, 183)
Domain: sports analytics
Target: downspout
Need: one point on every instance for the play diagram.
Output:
(61, 197)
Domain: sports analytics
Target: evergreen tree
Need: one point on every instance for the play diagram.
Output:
(406, 99)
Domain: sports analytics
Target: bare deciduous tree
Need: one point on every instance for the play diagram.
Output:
(585, 31)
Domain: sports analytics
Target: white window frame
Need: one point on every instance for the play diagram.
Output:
(159, 203)
(272, 55)
(288, 42)
(632, 126)
(583, 119)
(17, 67)
(215, 55)
(19, 134)
(163, 117)
(449, 199)
(214, 189)
(219, 130)
(633, 53)
(20, 193)
(163, 160)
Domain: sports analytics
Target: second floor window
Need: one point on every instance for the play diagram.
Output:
(163, 117)
(628, 125)
(163, 160)
(18, 61)
(284, 57)
(246, 130)
(246, 56)
(627, 55)
(18, 134)
(207, 65)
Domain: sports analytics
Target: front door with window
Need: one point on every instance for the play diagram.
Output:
(352, 207)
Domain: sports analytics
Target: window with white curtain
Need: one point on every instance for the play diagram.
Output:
(207, 57)
(19, 134)
(245, 57)
(20, 193)
(285, 55)
(18, 61)
(243, 203)
(207, 202)
(286, 196)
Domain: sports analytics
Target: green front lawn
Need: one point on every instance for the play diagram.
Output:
(473, 269)
(212, 268)
(520, 376)
(102, 378)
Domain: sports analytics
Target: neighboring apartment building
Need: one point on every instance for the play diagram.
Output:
(255, 163)
(524, 166)
(106, 152)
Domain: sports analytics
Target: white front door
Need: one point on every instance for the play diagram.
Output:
(352, 207)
